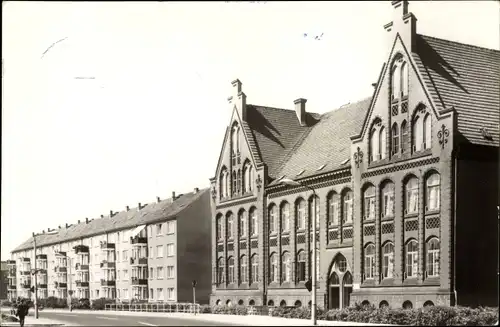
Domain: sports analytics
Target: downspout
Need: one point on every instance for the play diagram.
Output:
(455, 169)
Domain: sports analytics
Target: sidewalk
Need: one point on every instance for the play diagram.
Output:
(31, 321)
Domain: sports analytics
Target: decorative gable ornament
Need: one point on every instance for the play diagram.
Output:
(443, 135)
(358, 157)
(258, 182)
(214, 192)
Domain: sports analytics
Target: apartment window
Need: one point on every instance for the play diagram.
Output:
(159, 272)
(229, 225)
(333, 209)
(125, 293)
(412, 195)
(118, 293)
(433, 195)
(347, 208)
(254, 260)
(253, 222)
(159, 292)
(369, 203)
(230, 270)
(159, 230)
(404, 136)
(411, 250)
(220, 271)
(150, 231)
(286, 267)
(125, 274)
(242, 223)
(170, 272)
(272, 219)
(433, 247)
(125, 255)
(171, 227)
(285, 217)
(151, 273)
(159, 251)
(151, 294)
(170, 294)
(170, 250)
(243, 269)
(388, 200)
(369, 261)
(273, 268)
(388, 260)
(301, 213)
(151, 255)
(395, 138)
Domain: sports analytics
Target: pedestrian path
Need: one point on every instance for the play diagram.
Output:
(31, 321)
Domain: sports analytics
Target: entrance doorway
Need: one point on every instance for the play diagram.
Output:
(339, 284)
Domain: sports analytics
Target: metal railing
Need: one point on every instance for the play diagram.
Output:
(155, 307)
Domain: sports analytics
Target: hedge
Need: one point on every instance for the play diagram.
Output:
(429, 316)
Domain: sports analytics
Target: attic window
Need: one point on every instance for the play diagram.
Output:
(321, 167)
(345, 161)
(301, 172)
(486, 134)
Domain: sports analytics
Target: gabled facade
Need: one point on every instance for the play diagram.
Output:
(395, 179)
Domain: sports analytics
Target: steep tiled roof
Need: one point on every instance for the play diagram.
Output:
(276, 132)
(465, 77)
(122, 220)
(328, 143)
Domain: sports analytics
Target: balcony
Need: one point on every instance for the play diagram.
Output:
(80, 267)
(43, 286)
(26, 285)
(60, 253)
(139, 281)
(11, 287)
(79, 283)
(108, 265)
(24, 273)
(109, 283)
(41, 271)
(138, 240)
(107, 246)
(25, 259)
(11, 262)
(41, 256)
(12, 272)
(81, 249)
(61, 269)
(138, 261)
(61, 285)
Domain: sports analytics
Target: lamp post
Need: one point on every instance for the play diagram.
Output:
(194, 295)
(291, 182)
(35, 272)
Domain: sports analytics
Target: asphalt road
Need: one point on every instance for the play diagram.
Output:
(75, 319)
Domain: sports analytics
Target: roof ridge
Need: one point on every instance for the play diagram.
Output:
(460, 43)
(291, 110)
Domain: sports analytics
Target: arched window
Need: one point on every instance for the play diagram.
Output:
(283, 303)
(241, 302)
(242, 222)
(411, 205)
(347, 207)
(272, 219)
(220, 271)
(219, 227)
(251, 302)
(433, 249)
(230, 226)
(369, 261)
(298, 304)
(374, 145)
(369, 203)
(334, 279)
(314, 213)
(230, 270)
(300, 214)
(383, 143)
(333, 209)
(254, 227)
(285, 217)
(387, 207)
(411, 255)
(235, 138)
(286, 267)
(396, 83)
(383, 304)
(395, 139)
(238, 181)
(254, 274)
(247, 178)
(433, 192)
(388, 260)
(407, 305)
(404, 79)
(227, 186)
(404, 136)
(417, 134)
(235, 181)
(270, 303)
(301, 266)
(223, 183)
(273, 268)
(250, 177)
(243, 269)
(427, 137)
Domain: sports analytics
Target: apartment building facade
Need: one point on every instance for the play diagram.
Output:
(132, 255)
(391, 181)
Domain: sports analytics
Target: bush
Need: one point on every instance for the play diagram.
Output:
(9, 318)
(100, 304)
(53, 302)
(81, 304)
(6, 303)
(205, 309)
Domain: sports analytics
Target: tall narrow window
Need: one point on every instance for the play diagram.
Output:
(417, 134)
(223, 183)
(235, 181)
(333, 209)
(432, 257)
(220, 271)
(411, 259)
(272, 219)
(243, 269)
(347, 207)
(242, 222)
(245, 179)
(388, 260)
(301, 219)
(230, 270)
(369, 203)
(404, 136)
(395, 139)
(235, 138)
(433, 194)
(369, 261)
(255, 268)
(227, 187)
(219, 227)
(383, 143)
(301, 266)
(412, 195)
(238, 182)
(286, 267)
(229, 226)
(404, 79)
(427, 131)
(250, 178)
(388, 200)
(254, 227)
(273, 268)
(285, 217)
(396, 84)
(374, 144)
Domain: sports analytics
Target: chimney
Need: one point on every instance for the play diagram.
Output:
(111, 213)
(403, 23)
(300, 110)
(139, 206)
(128, 208)
(374, 85)
(43, 231)
(196, 190)
(59, 226)
(158, 199)
(102, 216)
(78, 221)
(238, 100)
(173, 196)
(86, 220)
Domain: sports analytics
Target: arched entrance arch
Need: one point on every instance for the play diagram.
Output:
(339, 284)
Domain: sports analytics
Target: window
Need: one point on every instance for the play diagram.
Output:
(151, 273)
(374, 144)
(219, 227)
(151, 294)
(388, 200)
(170, 250)
(433, 246)
(125, 255)
(159, 272)
(159, 229)
(170, 294)
(125, 274)
(170, 272)
(333, 209)
(301, 266)
(395, 138)
(242, 222)
(230, 225)
(233, 191)
(417, 134)
(230, 270)
(235, 139)
(286, 267)
(301, 219)
(247, 178)
(404, 79)
(223, 183)
(433, 196)
(314, 215)
(369, 261)
(411, 259)
(243, 269)
(387, 260)
(347, 208)
(238, 181)
(159, 294)
(151, 255)
(253, 222)
(427, 131)
(273, 268)
(285, 217)
(159, 251)
(412, 195)
(171, 227)
(383, 143)
(220, 271)
(272, 219)
(396, 82)
(369, 203)
(255, 268)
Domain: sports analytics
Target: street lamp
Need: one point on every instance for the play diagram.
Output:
(291, 182)
(35, 270)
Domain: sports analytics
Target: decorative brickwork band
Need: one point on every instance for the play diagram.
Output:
(443, 136)
(358, 157)
(395, 168)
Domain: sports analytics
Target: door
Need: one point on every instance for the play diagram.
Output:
(334, 291)
(347, 289)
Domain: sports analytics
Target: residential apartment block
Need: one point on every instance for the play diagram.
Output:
(152, 252)
(4, 280)
(403, 186)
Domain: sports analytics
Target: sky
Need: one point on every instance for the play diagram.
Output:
(111, 104)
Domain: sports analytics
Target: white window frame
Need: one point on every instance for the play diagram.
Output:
(411, 260)
(159, 251)
(388, 260)
(170, 250)
(369, 261)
